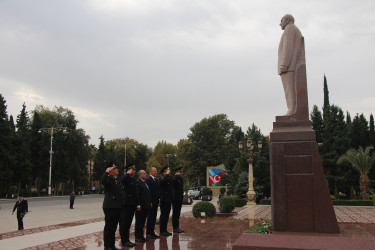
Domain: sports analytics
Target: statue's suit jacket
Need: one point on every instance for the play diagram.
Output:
(289, 46)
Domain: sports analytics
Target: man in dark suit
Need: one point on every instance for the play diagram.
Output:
(22, 209)
(112, 205)
(153, 184)
(130, 203)
(166, 197)
(144, 200)
(178, 197)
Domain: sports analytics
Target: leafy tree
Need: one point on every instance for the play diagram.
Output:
(359, 132)
(372, 131)
(39, 164)
(212, 140)
(22, 171)
(335, 143)
(6, 172)
(362, 160)
(317, 123)
(164, 154)
(99, 160)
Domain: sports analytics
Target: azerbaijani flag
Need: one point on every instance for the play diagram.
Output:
(214, 176)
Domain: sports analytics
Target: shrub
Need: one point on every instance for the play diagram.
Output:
(265, 202)
(226, 204)
(223, 190)
(13, 189)
(263, 227)
(238, 201)
(204, 206)
(333, 197)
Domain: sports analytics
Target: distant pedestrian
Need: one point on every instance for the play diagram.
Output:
(72, 198)
(22, 209)
(112, 205)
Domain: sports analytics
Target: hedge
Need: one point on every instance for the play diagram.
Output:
(335, 202)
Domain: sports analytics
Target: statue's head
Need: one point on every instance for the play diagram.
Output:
(285, 20)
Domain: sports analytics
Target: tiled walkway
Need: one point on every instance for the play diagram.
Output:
(218, 234)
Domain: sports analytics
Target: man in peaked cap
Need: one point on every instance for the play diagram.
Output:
(112, 205)
(166, 197)
(178, 197)
(130, 203)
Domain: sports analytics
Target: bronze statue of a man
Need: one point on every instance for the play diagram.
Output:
(290, 47)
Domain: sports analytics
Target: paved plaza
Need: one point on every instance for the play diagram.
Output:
(58, 227)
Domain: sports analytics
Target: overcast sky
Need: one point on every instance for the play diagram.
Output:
(151, 69)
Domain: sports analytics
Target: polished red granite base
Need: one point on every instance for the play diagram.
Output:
(357, 236)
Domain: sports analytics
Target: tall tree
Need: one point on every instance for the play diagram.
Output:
(335, 142)
(6, 172)
(210, 141)
(317, 123)
(100, 160)
(362, 160)
(326, 96)
(359, 132)
(372, 131)
(23, 152)
(39, 164)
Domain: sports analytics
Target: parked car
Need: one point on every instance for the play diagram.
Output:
(194, 194)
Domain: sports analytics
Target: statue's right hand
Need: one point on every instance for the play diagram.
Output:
(283, 69)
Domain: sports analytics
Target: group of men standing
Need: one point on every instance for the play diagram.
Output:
(141, 196)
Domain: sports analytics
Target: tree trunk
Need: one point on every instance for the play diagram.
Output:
(364, 184)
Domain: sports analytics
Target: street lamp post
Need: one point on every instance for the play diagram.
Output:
(251, 195)
(51, 131)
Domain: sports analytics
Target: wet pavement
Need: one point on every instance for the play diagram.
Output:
(218, 234)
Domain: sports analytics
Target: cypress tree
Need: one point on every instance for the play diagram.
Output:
(371, 131)
(326, 96)
(23, 152)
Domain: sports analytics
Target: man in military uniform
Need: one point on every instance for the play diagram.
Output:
(22, 209)
(178, 196)
(153, 184)
(144, 200)
(130, 203)
(112, 205)
(166, 197)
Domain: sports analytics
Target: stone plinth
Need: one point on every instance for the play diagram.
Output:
(299, 190)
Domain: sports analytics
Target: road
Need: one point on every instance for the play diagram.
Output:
(44, 211)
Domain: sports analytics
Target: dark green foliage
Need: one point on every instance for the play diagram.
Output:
(204, 206)
(265, 202)
(213, 141)
(238, 201)
(242, 185)
(223, 190)
(371, 131)
(353, 202)
(317, 123)
(359, 132)
(326, 96)
(226, 204)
